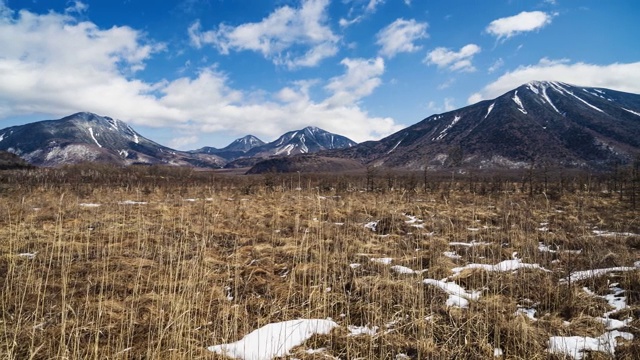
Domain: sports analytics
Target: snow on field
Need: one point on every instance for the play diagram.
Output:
(458, 296)
(371, 225)
(587, 274)
(385, 260)
(89, 205)
(471, 244)
(131, 202)
(507, 265)
(452, 255)
(611, 233)
(405, 270)
(362, 330)
(274, 340)
(528, 312)
(545, 248)
(575, 346)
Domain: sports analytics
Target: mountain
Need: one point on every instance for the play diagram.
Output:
(540, 122)
(305, 141)
(86, 137)
(236, 149)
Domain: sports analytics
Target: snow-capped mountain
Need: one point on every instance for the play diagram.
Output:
(305, 141)
(541, 122)
(308, 140)
(86, 137)
(236, 149)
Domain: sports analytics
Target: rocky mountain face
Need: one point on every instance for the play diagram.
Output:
(538, 123)
(87, 137)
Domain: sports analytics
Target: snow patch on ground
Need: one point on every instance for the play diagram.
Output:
(575, 346)
(458, 296)
(587, 274)
(89, 205)
(385, 260)
(274, 340)
(611, 233)
(471, 244)
(507, 265)
(131, 202)
(362, 330)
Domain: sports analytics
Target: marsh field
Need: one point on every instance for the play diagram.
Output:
(155, 263)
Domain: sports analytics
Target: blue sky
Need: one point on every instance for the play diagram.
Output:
(193, 73)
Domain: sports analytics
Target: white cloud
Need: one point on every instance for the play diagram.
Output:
(293, 37)
(454, 61)
(361, 78)
(496, 65)
(622, 77)
(5, 11)
(399, 36)
(77, 7)
(52, 64)
(372, 6)
(513, 25)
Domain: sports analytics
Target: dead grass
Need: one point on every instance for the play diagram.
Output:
(207, 262)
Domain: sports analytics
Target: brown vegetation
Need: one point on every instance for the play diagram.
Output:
(208, 258)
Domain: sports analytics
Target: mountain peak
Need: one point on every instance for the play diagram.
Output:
(85, 136)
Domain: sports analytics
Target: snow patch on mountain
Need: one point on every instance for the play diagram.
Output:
(489, 110)
(516, 99)
(93, 137)
(73, 152)
(559, 88)
(443, 133)
(631, 111)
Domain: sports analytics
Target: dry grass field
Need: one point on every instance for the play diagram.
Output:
(157, 264)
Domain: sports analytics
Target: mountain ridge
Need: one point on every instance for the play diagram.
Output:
(538, 122)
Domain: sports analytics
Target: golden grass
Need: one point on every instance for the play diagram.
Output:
(166, 279)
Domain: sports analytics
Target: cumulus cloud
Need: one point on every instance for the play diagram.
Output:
(524, 22)
(622, 77)
(294, 37)
(453, 60)
(399, 36)
(5, 11)
(361, 78)
(53, 64)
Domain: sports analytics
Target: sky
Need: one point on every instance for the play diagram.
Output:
(194, 73)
